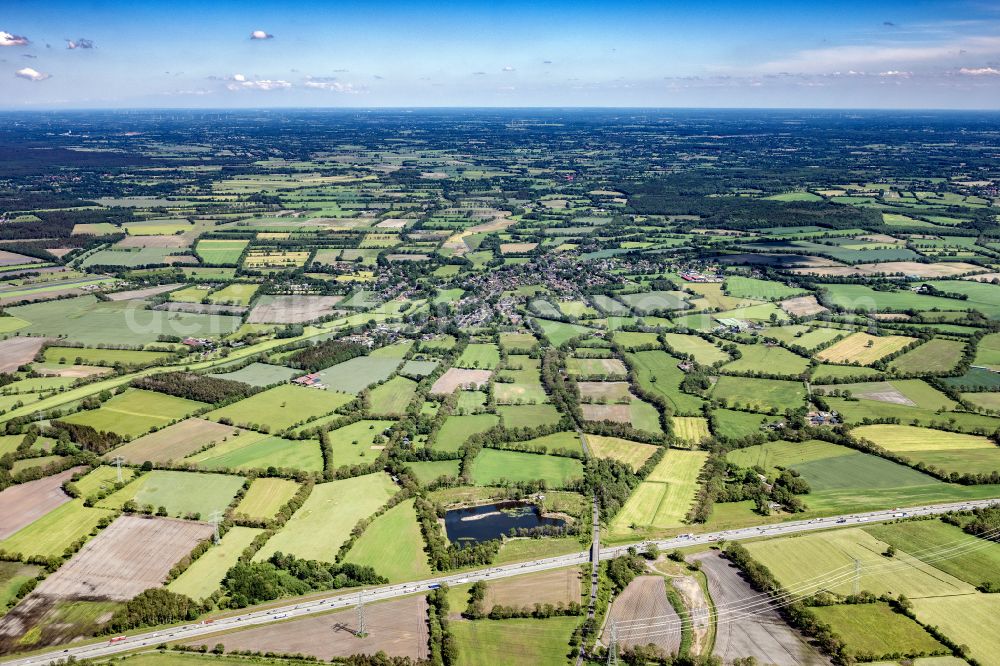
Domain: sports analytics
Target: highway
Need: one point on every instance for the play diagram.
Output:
(349, 599)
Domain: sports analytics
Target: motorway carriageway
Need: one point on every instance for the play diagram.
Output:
(350, 599)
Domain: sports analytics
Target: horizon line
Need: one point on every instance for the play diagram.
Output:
(833, 109)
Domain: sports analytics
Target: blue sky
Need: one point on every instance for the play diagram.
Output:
(149, 53)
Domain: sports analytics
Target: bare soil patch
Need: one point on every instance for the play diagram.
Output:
(456, 378)
(548, 587)
(72, 371)
(644, 598)
(397, 627)
(517, 248)
(142, 293)
(916, 268)
(880, 391)
(25, 503)
(983, 277)
(610, 391)
(617, 413)
(292, 309)
(13, 259)
(176, 241)
(15, 352)
(392, 223)
(174, 442)
(133, 554)
(802, 306)
(760, 633)
(202, 308)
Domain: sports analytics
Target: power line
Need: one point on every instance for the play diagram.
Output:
(362, 629)
(118, 460)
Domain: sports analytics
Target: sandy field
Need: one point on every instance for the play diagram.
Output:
(460, 377)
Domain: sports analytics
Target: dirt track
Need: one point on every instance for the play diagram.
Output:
(757, 630)
(25, 503)
(398, 628)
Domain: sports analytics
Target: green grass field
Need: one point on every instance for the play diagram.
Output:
(950, 451)
(826, 560)
(632, 340)
(876, 629)
(760, 394)
(87, 320)
(528, 416)
(763, 290)
(317, 530)
(559, 332)
(265, 497)
(987, 353)
(491, 466)
(768, 360)
(358, 373)
(354, 444)
(967, 620)
(220, 252)
(702, 351)
(75, 355)
(135, 412)
(664, 498)
(937, 355)
(393, 546)
(631, 453)
(392, 397)
(457, 429)
(518, 342)
(12, 576)
(974, 560)
(238, 455)
(691, 429)
(658, 373)
(281, 407)
(181, 493)
(513, 642)
(736, 425)
(239, 293)
(801, 335)
(480, 356)
(205, 575)
(426, 472)
(51, 534)
(102, 478)
(259, 374)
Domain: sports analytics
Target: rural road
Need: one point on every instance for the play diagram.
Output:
(349, 599)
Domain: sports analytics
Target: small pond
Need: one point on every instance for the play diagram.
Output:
(491, 521)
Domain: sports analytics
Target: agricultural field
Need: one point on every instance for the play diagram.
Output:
(242, 454)
(393, 396)
(280, 407)
(355, 443)
(937, 355)
(876, 629)
(180, 493)
(135, 412)
(317, 530)
(220, 252)
(634, 454)
(513, 642)
(265, 498)
(180, 440)
(485, 356)
(457, 429)
(765, 359)
(664, 498)
(51, 534)
(863, 348)
(951, 452)
(761, 395)
(393, 546)
(691, 429)
(259, 374)
(491, 467)
(205, 575)
(700, 350)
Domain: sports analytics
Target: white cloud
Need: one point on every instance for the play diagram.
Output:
(861, 57)
(895, 73)
(7, 39)
(507, 68)
(31, 74)
(81, 43)
(979, 71)
(261, 34)
(241, 82)
(333, 85)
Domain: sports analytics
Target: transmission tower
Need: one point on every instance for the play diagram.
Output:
(215, 519)
(857, 576)
(362, 630)
(613, 646)
(118, 460)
